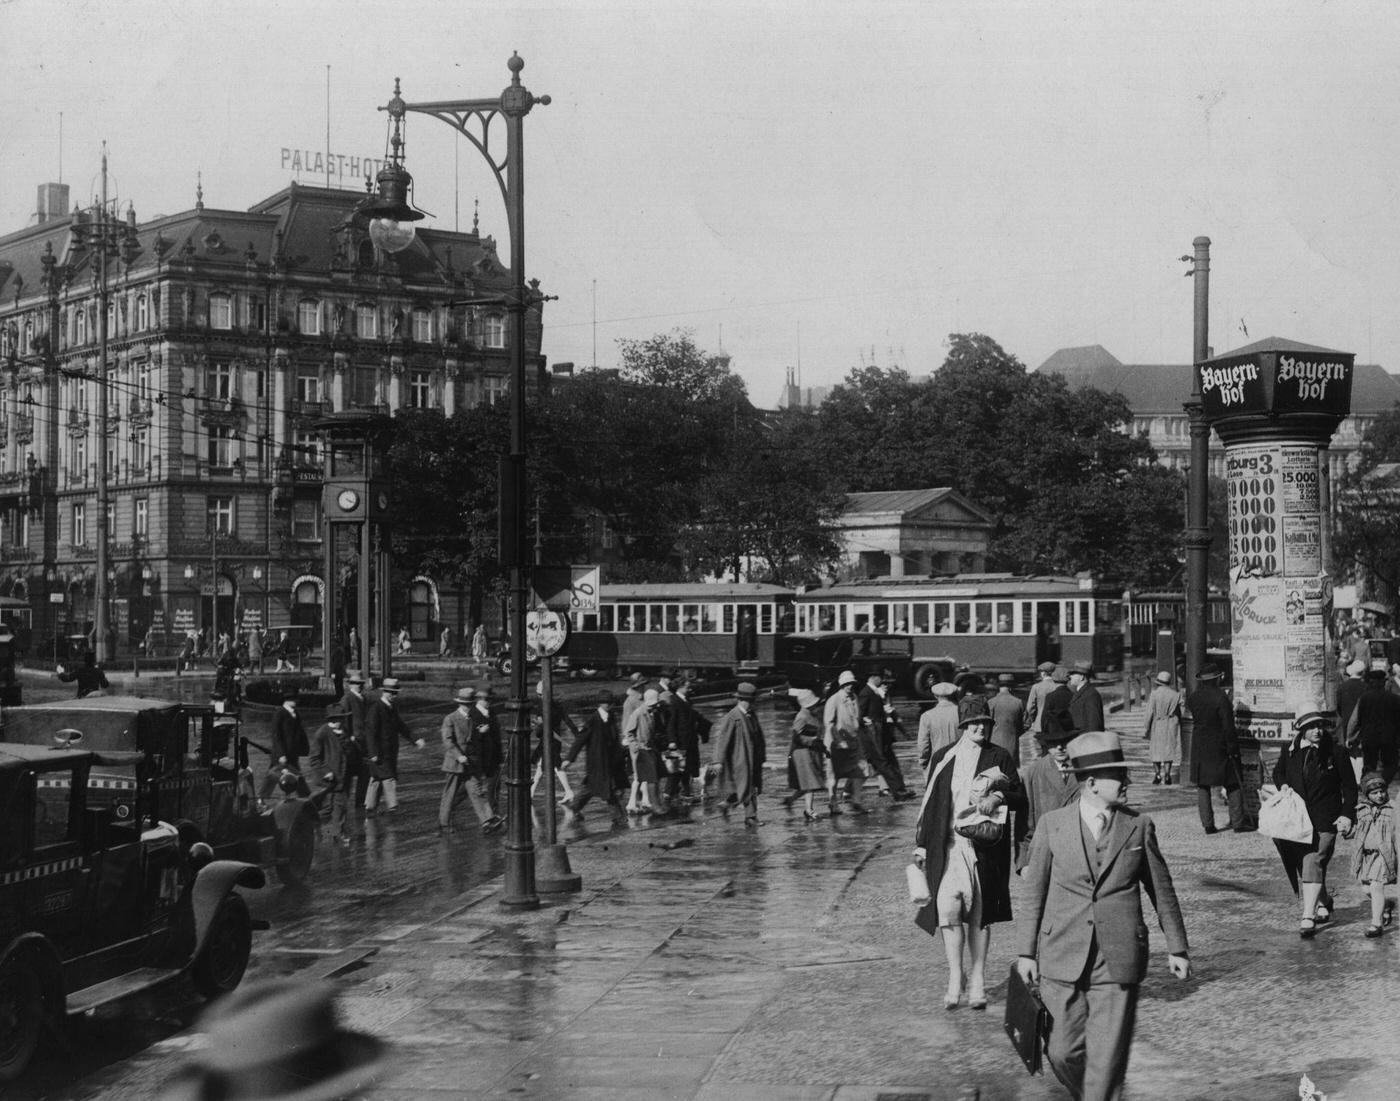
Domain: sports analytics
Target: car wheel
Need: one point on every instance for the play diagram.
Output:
(221, 962)
(504, 665)
(925, 677)
(298, 851)
(21, 1016)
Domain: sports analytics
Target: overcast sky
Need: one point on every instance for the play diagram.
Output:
(824, 183)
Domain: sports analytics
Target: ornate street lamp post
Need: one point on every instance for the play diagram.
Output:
(392, 229)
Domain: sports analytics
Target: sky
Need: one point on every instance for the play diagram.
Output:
(814, 186)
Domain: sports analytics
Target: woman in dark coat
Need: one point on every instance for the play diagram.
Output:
(603, 774)
(1320, 771)
(970, 884)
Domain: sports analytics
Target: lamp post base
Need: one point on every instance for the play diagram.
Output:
(553, 876)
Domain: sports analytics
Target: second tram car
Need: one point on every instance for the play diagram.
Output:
(991, 623)
(710, 627)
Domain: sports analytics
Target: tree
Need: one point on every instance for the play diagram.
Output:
(1367, 536)
(673, 362)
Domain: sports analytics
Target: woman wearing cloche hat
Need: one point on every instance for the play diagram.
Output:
(1162, 728)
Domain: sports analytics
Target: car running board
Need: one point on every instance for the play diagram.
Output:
(90, 998)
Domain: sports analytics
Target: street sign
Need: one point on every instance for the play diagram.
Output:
(567, 588)
(546, 632)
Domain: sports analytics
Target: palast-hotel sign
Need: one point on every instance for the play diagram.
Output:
(319, 162)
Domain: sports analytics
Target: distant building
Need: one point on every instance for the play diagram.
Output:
(229, 333)
(913, 532)
(794, 396)
(1156, 393)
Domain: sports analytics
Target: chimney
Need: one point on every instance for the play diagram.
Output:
(53, 202)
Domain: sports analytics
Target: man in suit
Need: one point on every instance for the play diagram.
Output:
(740, 751)
(1085, 705)
(1214, 751)
(325, 766)
(357, 767)
(289, 746)
(463, 764)
(1035, 700)
(384, 727)
(1081, 930)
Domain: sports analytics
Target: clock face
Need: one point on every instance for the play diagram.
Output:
(348, 499)
(383, 500)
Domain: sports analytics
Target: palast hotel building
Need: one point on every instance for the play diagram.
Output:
(229, 334)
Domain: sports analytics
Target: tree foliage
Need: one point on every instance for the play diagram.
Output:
(1367, 537)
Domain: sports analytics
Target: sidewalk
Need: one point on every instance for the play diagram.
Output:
(704, 961)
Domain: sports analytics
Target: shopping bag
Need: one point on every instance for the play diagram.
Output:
(1284, 816)
(918, 885)
(1027, 1021)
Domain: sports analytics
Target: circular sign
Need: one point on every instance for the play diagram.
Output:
(348, 499)
(546, 632)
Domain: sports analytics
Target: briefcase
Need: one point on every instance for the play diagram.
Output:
(1027, 1021)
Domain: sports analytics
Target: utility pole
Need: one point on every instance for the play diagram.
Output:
(1197, 537)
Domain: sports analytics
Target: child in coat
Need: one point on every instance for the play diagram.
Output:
(1374, 862)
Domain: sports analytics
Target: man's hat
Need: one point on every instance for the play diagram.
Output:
(650, 696)
(1060, 675)
(747, 690)
(637, 679)
(805, 697)
(1164, 677)
(604, 698)
(278, 1040)
(1096, 751)
(1356, 668)
(1045, 667)
(465, 694)
(354, 676)
(846, 677)
(336, 711)
(1084, 669)
(945, 689)
(1058, 728)
(390, 684)
(973, 720)
(1208, 671)
(1005, 678)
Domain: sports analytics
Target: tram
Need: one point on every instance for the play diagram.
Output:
(1150, 613)
(991, 623)
(691, 626)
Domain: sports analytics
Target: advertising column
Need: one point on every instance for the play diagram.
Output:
(1275, 405)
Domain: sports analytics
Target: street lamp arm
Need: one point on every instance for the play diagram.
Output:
(460, 114)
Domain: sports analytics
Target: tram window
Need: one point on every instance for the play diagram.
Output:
(1085, 621)
(624, 617)
(918, 623)
(1006, 617)
(765, 619)
(962, 618)
(656, 619)
(983, 622)
(826, 617)
(882, 617)
(1071, 626)
(942, 621)
(673, 619)
(709, 618)
(690, 617)
(860, 617)
(1027, 618)
(1108, 614)
(605, 618)
(727, 618)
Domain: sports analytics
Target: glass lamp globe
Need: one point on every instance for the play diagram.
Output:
(390, 235)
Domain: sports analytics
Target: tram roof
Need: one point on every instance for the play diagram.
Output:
(699, 592)
(967, 586)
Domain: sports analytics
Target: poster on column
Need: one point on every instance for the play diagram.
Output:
(1259, 637)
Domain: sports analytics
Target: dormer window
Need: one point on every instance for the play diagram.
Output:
(309, 317)
(220, 312)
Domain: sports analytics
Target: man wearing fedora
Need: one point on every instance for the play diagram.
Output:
(1081, 932)
(1214, 751)
(1049, 783)
(463, 764)
(1085, 704)
(740, 751)
(601, 744)
(383, 729)
(938, 726)
(1035, 699)
(325, 767)
(1007, 713)
(357, 767)
(289, 746)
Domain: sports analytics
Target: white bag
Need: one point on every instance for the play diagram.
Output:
(918, 885)
(1284, 816)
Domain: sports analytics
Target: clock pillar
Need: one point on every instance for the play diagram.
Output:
(355, 503)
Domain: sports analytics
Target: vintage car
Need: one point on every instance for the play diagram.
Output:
(100, 901)
(814, 660)
(196, 760)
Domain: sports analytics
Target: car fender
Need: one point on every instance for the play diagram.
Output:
(215, 883)
(36, 946)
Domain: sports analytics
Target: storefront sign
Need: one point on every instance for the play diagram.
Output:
(318, 162)
(1277, 377)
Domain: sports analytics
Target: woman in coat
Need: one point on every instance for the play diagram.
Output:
(806, 753)
(1319, 770)
(969, 883)
(603, 775)
(1163, 727)
(641, 730)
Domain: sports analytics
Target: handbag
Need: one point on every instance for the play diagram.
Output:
(983, 830)
(918, 885)
(1284, 816)
(1027, 1021)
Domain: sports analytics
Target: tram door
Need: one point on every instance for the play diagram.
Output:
(746, 633)
(1047, 631)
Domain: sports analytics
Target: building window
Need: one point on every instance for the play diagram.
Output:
(422, 326)
(80, 326)
(494, 388)
(495, 331)
(220, 311)
(221, 381)
(111, 522)
(366, 321)
(111, 317)
(306, 447)
(79, 525)
(78, 457)
(309, 317)
(306, 521)
(220, 515)
(143, 312)
(309, 386)
(140, 524)
(19, 529)
(220, 446)
(419, 389)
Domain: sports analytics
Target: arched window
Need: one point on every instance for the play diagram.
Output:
(422, 610)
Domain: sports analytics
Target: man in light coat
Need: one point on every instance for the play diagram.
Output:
(1035, 699)
(464, 764)
(1081, 931)
(938, 726)
(740, 751)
